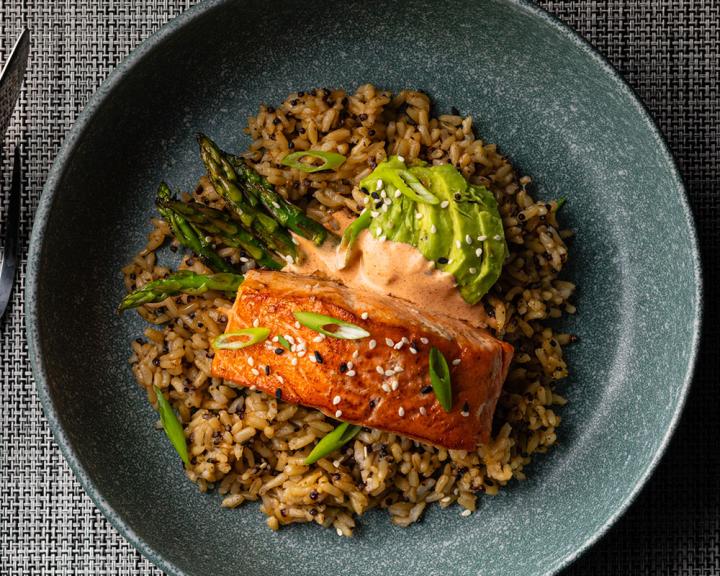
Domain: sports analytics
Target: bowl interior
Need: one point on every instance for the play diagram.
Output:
(535, 90)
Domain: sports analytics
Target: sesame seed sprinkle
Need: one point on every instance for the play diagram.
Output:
(336, 400)
(424, 340)
(418, 215)
(466, 513)
(456, 361)
(385, 386)
(243, 259)
(350, 365)
(379, 185)
(468, 239)
(364, 315)
(256, 322)
(397, 193)
(423, 410)
(389, 342)
(275, 339)
(293, 361)
(350, 373)
(401, 411)
(297, 325)
(458, 243)
(379, 370)
(444, 204)
(401, 158)
(389, 373)
(338, 413)
(472, 270)
(312, 358)
(399, 345)
(251, 361)
(497, 237)
(372, 344)
(394, 384)
(289, 259)
(482, 238)
(255, 372)
(383, 194)
(374, 213)
(478, 252)
(378, 231)
(413, 350)
(319, 338)
(355, 354)
(433, 229)
(384, 208)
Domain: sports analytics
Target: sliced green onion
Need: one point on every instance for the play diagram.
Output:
(350, 235)
(228, 341)
(283, 342)
(332, 441)
(332, 160)
(172, 426)
(417, 192)
(341, 329)
(440, 379)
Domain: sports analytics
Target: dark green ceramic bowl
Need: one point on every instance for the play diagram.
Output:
(550, 102)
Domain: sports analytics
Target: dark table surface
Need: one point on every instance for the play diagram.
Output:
(669, 52)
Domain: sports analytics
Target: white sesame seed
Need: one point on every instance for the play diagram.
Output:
(456, 361)
(280, 379)
(372, 344)
(466, 513)
(275, 339)
(402, 159)
(366, 200)
(497, 237)
(350, 365)
(458, 243)
(313, 359)
(301, 353)
(384, 208)
(424, 340)
(401, 411)
(251, 361)
(423, 410)
(449, 261)
(378, 231)
(418, 215)
(355, 354)
(413, 350)
(243, 259)
(255, 372)
(336, 400)
(318, 338)
(387, 201)
(446, 499)
(385, 386)
(399, 369)
(253, 387)
(482, 238)
(293, 361)
(394, 384)
(468, 239)
(478, 252)
(290, 339)
(465, 414)
(350, 373)
(382, 238)
(297, 325)
(383, 194)
(405, 339)
(399, 345)
(444, 204)
(397, 193)
(389, 342)
(256, 322)
(289, 259)
(389, 373)
(364, 315)
(379, 185)
(472, 270)
(433, 229)
(365, 452)
(374, 213)
(337, 530)
(336, 463)
(338, 413)
(379, 370)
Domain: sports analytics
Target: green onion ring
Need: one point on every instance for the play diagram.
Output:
(255, 335)
(332, 160)
(317, 322)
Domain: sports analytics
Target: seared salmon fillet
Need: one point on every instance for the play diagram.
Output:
(381, 381)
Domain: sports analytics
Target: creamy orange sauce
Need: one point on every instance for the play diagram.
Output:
(389, 268)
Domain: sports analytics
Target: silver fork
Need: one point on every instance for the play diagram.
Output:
(8, 256)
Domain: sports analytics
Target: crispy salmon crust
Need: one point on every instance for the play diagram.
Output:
(381, 381)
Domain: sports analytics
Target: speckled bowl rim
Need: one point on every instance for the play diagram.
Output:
(78, 131)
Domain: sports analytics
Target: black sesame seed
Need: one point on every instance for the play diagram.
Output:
(156, 361)
(279, 351)
(378, 205)
(294, 102)
(267, 370)
(372, 403)
(466, 408)
(278, 393)
(312, 512)
(548, 206)
(443, 260)
(343, 368)
(375, 195)
(276, 121)
(458, 197)
(426, 390)
(318, 357)
(200, 324)
(371, 132)
(314, 495)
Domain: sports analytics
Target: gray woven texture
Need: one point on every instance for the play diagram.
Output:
(669, 51)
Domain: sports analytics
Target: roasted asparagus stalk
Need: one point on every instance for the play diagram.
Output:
(182, 282)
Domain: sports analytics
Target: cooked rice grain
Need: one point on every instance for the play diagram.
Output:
(250, 446)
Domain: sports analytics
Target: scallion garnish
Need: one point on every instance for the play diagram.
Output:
(339, 328)
(172, 426)
(332, 441)
(283, 342)
(229, 340)
(332, 160)
(440, 379)
(350, 235)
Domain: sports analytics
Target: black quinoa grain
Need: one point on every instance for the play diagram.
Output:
(267, 370)
(276, 121)
(314, 495)
(313, 512)
(278, 393)
(294, 102)
(190, 261)
(279, 351)
(343, 368)
(371, 132)
(426, 390)
(318, 357)
(156, 362)
(362, 117)
(200, 325)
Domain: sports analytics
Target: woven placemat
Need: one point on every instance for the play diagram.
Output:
(668, 50)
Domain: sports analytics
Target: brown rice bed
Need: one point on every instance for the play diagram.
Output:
(248, 445)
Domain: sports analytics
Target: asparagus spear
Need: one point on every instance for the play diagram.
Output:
(188, 235)
(183, 282)
(249, 212)
(283, 211)
(218, 223)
